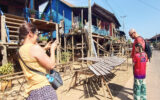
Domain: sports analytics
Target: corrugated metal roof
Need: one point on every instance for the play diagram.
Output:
(67, 3)
(156, 36)
(105, 13)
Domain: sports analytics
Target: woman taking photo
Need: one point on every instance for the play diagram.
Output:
(34, 56)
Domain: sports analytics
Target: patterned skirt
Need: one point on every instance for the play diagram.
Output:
(139, 89)
(44, 93)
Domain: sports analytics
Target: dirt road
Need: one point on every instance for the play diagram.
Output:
(153, 77)
(153, 80)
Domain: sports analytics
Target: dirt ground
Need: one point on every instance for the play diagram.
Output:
(116, 85)
(83, 91)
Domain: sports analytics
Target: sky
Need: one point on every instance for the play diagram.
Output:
(142, 15)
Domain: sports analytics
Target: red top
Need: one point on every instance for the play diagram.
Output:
(140, 60)
(137, 40)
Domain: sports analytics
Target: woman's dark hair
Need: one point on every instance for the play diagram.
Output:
(24, 29)
(140, 48)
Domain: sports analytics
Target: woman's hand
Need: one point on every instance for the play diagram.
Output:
(48, 45)
(54, 45)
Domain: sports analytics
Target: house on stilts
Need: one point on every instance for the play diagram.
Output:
(73, 30)
(13, 13)
(69, 24)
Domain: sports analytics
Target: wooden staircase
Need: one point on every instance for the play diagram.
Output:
(9, 47)
(13, 22)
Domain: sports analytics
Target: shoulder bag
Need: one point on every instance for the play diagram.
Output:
(54, 77)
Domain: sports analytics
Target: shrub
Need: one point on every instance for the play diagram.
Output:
(65, 56)
(32, 11)
(43, 38)
(43, 15)
(6, 69)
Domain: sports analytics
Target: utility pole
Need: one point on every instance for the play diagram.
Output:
(89, 27)
(123, 21)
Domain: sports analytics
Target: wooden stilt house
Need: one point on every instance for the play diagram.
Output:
(13, 14)
(75, 36)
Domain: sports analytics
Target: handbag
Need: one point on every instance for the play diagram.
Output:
(53, 77)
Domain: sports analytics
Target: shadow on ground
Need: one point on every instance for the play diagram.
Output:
(121, 92)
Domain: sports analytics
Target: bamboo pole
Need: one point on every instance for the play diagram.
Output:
(72, 48)
(3, 38)
(103, 88)
(82, 35)
(108, 89)
(127, 54)
(72, 18)
(99, 44)
(50, 1)
(89, 27)
(82, 49)
(65, 49)
(82, 18)
(58, 48)
(97, 47)
(64, 32)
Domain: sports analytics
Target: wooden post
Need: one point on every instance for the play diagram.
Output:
(3, 38)
(72, 18)
(103, 87)
(63, 15)
(89, 27)
(72, 48)
(60, 47)
(97, 22)
(82, 18)
(82, 49)
(108, 89)
(111, 48)
(50, 2)
(64, 32)
(57, 38)
(65, 49)
(97, 47)
(82, 35)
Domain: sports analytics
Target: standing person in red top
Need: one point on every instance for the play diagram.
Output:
(139, 60)
(137, 39)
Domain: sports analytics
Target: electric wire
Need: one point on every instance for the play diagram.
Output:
(149, 5)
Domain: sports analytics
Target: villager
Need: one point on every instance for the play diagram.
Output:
(137, 39)
(139, 60)
(35, 57)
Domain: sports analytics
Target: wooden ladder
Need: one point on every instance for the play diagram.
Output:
(13, 23)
